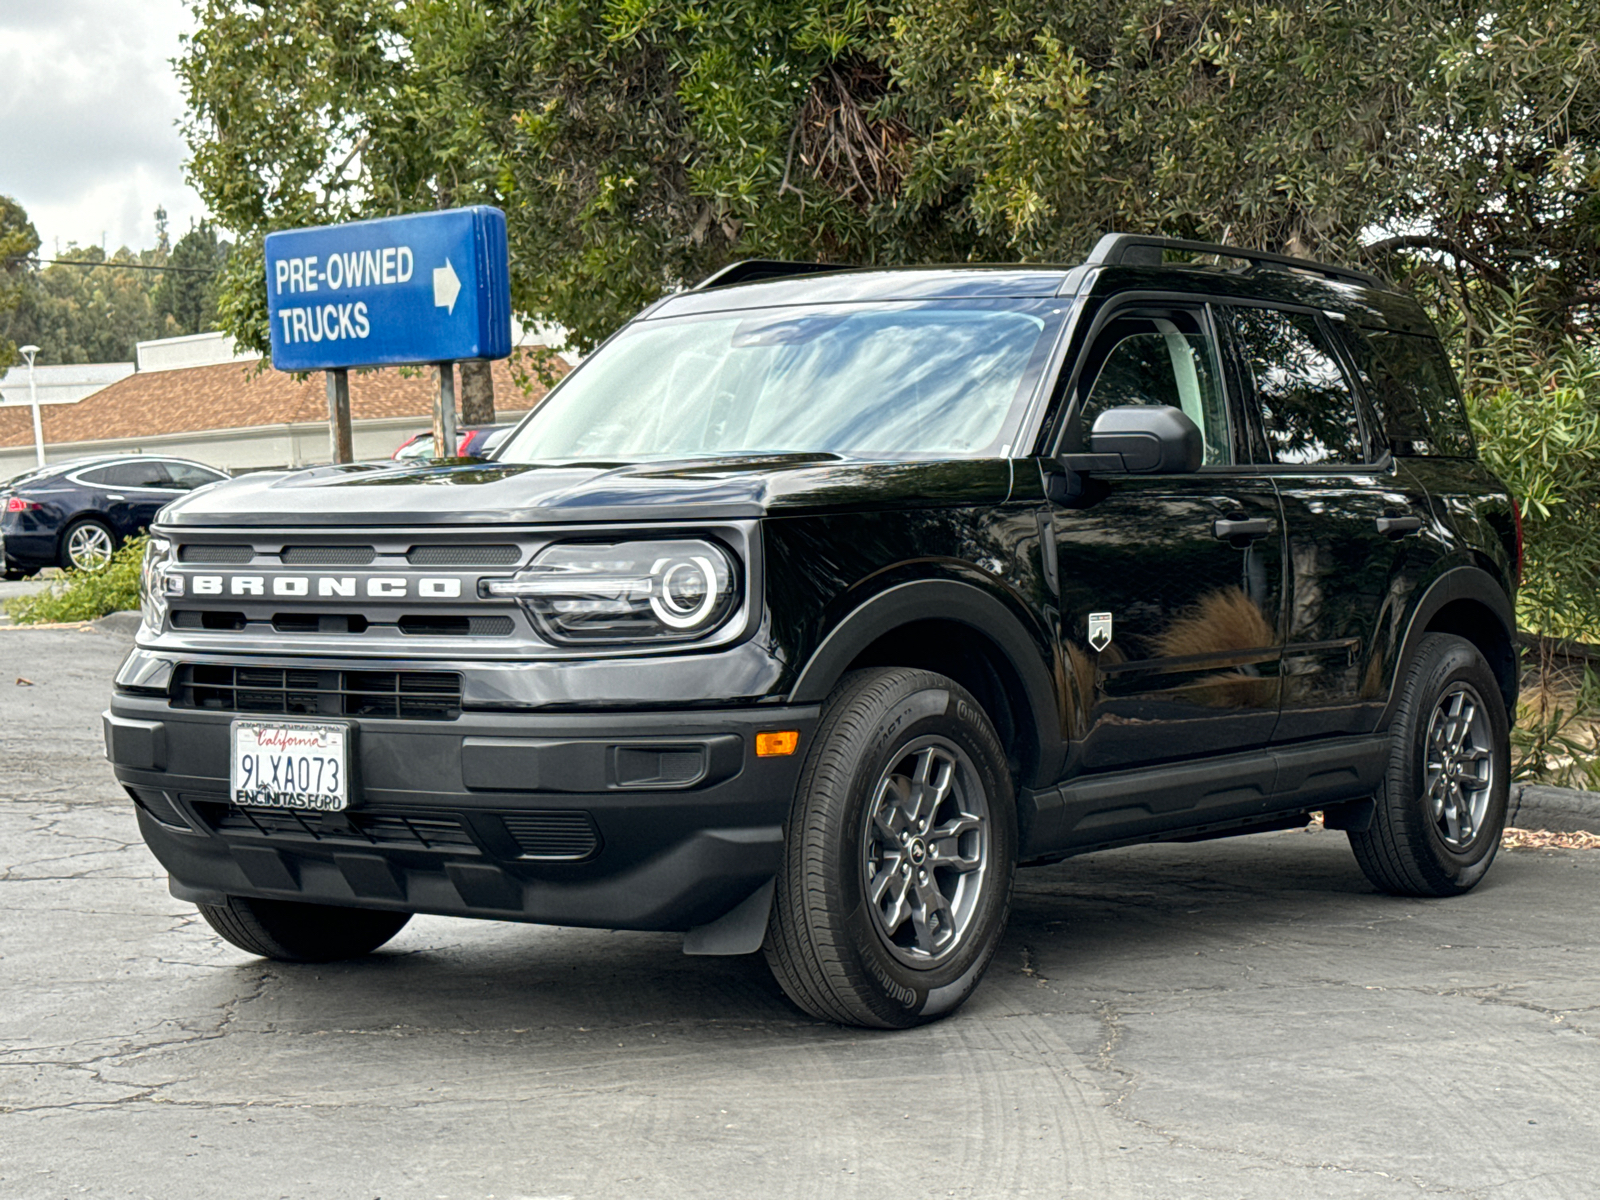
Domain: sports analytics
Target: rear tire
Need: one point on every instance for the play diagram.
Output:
(1437, 820)
(290, 931)
(87, 545)
(899, 855)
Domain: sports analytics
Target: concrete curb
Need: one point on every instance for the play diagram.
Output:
(1560, 810)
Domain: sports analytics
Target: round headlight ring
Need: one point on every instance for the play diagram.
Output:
(675, 600)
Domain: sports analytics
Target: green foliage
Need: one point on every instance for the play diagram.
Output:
(1553, 740)
(85, 595)
(101, 310)
(17, 242)
(1536, 414)
(187, 297)
(637, 145)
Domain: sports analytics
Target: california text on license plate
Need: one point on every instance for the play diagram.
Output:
(290, 764)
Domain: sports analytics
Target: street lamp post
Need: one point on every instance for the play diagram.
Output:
(33, 400)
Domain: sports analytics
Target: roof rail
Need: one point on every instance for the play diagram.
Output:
(752, 269)
(1142, 250)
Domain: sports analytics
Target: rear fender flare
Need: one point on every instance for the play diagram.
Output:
(1458, 583)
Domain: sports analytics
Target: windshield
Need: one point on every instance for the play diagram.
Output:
(943, 378)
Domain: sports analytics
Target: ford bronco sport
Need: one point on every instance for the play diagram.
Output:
(817, 601)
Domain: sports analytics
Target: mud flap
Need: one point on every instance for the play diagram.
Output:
(740, 931)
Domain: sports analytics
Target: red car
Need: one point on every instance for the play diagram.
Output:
(475, 441)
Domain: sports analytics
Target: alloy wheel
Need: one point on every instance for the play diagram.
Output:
(1458, 761)
(926, 851)
(89, 547)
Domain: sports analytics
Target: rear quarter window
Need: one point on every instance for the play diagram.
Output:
(1414, 390)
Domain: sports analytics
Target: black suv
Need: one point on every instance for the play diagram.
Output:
(817, 601)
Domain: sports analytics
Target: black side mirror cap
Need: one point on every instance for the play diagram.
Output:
(1149, 439)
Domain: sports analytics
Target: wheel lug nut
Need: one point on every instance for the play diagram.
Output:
(906, 870)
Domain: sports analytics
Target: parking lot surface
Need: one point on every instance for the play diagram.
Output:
(1243, 1018)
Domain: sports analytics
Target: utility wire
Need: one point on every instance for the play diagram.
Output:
(119, 266)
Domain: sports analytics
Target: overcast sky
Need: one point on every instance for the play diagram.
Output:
(88, 102)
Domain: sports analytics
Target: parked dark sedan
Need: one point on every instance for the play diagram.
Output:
(75, 514)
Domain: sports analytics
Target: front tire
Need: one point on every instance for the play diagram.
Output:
(899, 855)
(1437, 820)
(289, 931)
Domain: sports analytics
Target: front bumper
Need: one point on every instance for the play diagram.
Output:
(622, 820)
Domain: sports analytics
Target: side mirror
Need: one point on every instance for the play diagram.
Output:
(1149, 438)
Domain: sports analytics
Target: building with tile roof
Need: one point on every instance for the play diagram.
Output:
(244, 415)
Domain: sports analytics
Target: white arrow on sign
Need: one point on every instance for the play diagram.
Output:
(446, 287)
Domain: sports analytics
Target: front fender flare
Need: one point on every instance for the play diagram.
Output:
(943, 600)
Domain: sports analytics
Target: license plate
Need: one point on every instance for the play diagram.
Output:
(290, 764)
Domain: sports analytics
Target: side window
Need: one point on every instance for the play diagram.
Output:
(99, 477)
(1308, 409)
(1410, 380)
(137, 475)
(188, 476)
(1168, 359)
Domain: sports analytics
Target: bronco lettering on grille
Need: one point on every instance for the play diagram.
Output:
(381, 587)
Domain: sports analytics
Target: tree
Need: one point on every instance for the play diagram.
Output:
(186, 295)
(18, 243)
(637, 146)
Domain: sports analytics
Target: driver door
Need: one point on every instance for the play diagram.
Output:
(1186, 569)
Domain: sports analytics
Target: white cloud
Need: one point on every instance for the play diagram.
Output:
(89, 105)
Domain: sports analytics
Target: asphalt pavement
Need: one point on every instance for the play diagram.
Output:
(1236, 1019)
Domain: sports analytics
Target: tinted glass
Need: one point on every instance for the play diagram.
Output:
(1410, 380)
(137, 475)
(100, 475)
(1308, 408)
(187, 475)
(905, 378)
(1168, 360)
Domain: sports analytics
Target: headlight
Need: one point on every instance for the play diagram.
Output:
(657, 591)
(155, 585)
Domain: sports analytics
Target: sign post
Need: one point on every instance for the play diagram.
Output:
(425, 289)
(339, 436)
(444, 413)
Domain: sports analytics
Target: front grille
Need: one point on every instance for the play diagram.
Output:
(206, 619)
(327, 556)
(299, 622)
(464, 556)
(553, 835)
(414, 831)
(215, 554)
(405, 695)
(438, 625)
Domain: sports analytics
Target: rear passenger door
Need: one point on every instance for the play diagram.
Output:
(1357, 524)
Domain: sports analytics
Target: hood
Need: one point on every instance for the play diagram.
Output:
(475, 492)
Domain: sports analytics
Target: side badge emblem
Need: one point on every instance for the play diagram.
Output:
(1099, 630)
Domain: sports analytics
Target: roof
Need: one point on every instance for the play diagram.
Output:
(61, 383)
(240, 396)
(1275, 279)
(875, 283)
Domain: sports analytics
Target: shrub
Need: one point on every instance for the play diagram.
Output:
(85, 595)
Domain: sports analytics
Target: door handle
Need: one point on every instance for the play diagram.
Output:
(111, 496)
(1397, 527)
(1228, 529)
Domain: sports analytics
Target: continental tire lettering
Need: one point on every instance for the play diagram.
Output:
(898, 992)
(930, 703)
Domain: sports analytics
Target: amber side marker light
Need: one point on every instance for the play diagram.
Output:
(778, 744)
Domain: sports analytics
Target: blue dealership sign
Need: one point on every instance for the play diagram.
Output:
(429, 287)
